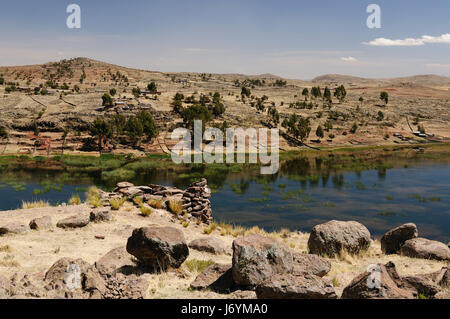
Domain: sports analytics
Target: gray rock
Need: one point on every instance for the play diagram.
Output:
(77, 221)
(13, 228)
(331, 238)
(312, 264)
(59, 273)
(391, 286)
(158, 247)
(217, 277)
(41, 223)
(103, 215)
(394, 239)
(116, 260)
(288, 286)
(426, 249)
(210, 245)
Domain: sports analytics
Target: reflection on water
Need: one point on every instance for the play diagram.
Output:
(301, 195)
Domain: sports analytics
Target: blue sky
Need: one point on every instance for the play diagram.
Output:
(291, 38)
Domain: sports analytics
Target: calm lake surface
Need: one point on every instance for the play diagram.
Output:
(297, 198)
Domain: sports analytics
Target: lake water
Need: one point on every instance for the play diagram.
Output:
(296, 198)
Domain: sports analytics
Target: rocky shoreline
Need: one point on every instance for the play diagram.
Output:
(122, 253)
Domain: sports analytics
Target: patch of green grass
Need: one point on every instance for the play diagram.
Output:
(389, 197)
(197, 266)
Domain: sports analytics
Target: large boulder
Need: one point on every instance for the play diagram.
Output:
(295, 287)
(77, 221)
(158, 247)
(426, 249)
(13, 228)
(256, 258)
(379, 282)
(312, 264)
(41, 223)
(210, 245)
(66, 274)
(332, 238)
(217, 277)
(116, 260)
(393, 240)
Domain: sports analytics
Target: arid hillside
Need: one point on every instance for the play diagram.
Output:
(49, 108)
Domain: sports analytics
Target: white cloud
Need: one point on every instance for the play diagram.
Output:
(349, 59)
(445, 38)
(437, 65)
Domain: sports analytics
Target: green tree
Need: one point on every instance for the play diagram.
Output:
(148, 124)
(316, 92)
(298, 126)
(327, 94)
(384, 96)
(134, 129)
(305, 93)
(274, 116)
(319, 132)
(2, 81)
(152, 88)
(177, 103)
(107, 100)
(246, 91)
(354, 128)
(340, 93)
(101, 130)
(3, 132)
(196, 112)
(380, 116)
(136, 92)
(112, 92)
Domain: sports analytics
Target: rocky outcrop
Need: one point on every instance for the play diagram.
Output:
(426, 249)
(257, 258)
(14, 229)
(210, 245)
(42, 223)
(196, 201)
(158, 247)
(217, 277)
(295, 287)
(393, 240)
(66, 274)
(77, 221)
(382, 282)
(331, 238)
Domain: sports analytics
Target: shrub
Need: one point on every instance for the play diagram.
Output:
(146, 210)
(156, 203)
(175, 206)
(197, 266)
(93, 197)
(36, 204)
(75, 200)
(117, 203)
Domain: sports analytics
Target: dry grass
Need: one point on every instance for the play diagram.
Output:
(36, 204)
(5, 249)
(138, 200)
(117, 203)
(197, 266)
(93, 197)
(75, 200)
(8, 261)
(156, 203)
(212, 227)
(146, 210)
(175, 206)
